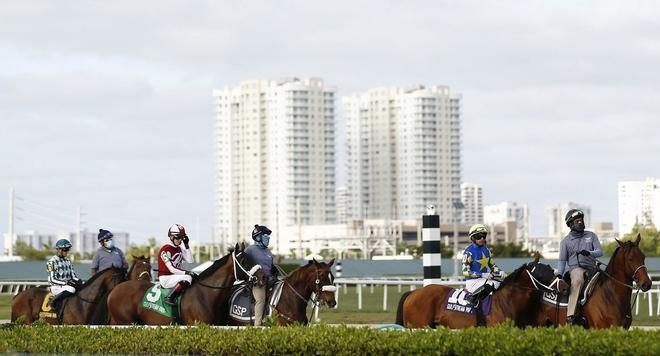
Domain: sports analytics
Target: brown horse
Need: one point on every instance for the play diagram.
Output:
(79, 308)
(610, 301)
(200, 303)
(140, 269)
(518, 295)
(297, 288)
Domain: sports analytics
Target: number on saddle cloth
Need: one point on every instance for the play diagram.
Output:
(47, 311)
(457, 300)
(154, 300)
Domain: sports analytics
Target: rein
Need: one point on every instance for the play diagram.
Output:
(316, 302)
(235, 262)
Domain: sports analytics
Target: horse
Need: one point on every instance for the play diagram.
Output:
(296, 291)
(200, 303)
(79, 308)
(610, 302)
(140, 268)
(519, 293)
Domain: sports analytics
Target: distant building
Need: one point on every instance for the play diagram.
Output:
(473, 206)
(639, 203)
(88, 243)
(275, 157)
(341, 197)
(509, 211)
(404, 152)
(605, 232)
(557, 213)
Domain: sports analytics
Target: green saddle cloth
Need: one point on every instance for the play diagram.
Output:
(154, 300)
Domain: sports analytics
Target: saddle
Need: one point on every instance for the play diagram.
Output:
(586, 291)
(241, 302)
(50, 311)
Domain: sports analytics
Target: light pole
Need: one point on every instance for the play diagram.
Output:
(457, 205)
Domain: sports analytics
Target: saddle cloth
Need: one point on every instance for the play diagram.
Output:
(47, 311)
(551, 297)
(456, 301)
(241, 307)
(154, 300)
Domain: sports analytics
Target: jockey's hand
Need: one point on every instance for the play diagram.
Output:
(558, 276)
(585, 253)
(186, 240)
(500, 275)
(191, 274)
(487, 275)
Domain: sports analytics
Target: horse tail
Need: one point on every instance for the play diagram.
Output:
(399, 309)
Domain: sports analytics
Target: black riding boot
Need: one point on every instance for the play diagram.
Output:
(58, 298)
(480, 294)
(178, 289)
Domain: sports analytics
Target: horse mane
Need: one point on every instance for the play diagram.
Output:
(610, 266)
(98, 275)
(214, 267)
(513, 276)
(297, 273)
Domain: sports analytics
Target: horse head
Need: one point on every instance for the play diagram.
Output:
(140, 269)
(633, 262)
(324, 287)
(244, 267)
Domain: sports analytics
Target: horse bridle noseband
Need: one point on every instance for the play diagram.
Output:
(318, 289)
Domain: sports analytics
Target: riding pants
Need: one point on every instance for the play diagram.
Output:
(57, 289)
(171, 280)
(259, 294)
(577, 280)
(471, 285)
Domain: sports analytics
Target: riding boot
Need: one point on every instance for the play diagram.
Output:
(171, 298)
(480, 294)
(58, 298)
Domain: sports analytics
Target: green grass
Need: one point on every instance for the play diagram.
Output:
(372, 308)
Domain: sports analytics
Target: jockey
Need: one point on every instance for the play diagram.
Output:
(478, 267)
(577, 242)
(107, 256)
(263, 257)
(61, 276)
(170, 258)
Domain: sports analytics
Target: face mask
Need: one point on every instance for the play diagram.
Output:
(109, 244)
(265, 239)
(579, 227)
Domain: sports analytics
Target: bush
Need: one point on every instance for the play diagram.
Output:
(326, 340)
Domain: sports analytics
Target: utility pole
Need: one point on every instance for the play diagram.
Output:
(10, 245)
(76, 244)
(457, 205)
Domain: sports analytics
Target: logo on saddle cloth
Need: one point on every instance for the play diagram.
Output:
(456, 302)
(550, 298)
(154, 300)
(241, 307)
(47, 311)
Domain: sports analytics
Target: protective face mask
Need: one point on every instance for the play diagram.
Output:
(579, 227)
(109, 244)
(265, 239)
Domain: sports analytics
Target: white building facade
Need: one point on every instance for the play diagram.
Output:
(473, 205)
(341, 196)
(275, 157)
(506, 212)
(639, 203)
(557, 213)
(404, 152)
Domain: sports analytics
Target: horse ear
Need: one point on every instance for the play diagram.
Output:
(537, 257)
(331, 262)
(236, 247)
(638, 239)
(134, 257)
(618, 242)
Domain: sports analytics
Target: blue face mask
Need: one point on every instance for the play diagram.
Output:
(265, 239)
(109, 244)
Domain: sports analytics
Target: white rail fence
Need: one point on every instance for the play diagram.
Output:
(14, 287)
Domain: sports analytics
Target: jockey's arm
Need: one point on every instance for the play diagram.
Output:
(493, 267)
(598, 250)
(467, 261)
(187, 255)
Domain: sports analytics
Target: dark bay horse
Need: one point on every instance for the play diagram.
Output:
(79, 308)
(314, 277)
(610, 301)
(201, 302)
(140, 269)
(518, 295)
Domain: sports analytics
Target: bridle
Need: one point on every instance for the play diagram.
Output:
(147, 272)
(250, 274)
(318, 289)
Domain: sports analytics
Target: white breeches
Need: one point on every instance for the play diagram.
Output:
(171, 280)
(55, 289)
(472, 285)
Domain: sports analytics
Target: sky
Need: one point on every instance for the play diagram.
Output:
(108, 106)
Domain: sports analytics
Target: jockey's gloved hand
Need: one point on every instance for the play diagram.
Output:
(487, 275)
(186, 240)
(585, 253)
(558, 276)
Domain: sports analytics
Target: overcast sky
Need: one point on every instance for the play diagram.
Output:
(107, 104)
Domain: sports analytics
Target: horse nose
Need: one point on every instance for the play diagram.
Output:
(332, 303)
(646, 286)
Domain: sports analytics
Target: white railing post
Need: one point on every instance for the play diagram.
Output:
(359, 291)
(385, 297)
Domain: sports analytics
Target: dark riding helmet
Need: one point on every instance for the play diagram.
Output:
(63, 244)
(572, 215)
(260, 230)
(104, 235)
